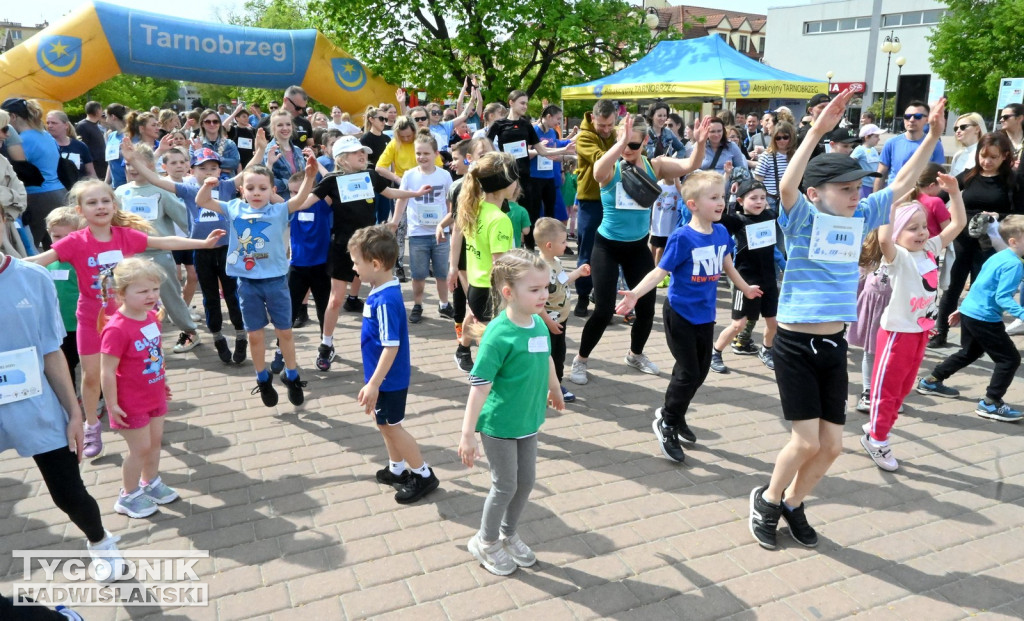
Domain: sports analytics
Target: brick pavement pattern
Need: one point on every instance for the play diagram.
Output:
(285, 501)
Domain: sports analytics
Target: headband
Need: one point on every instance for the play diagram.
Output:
(903, 216)
(498, 182)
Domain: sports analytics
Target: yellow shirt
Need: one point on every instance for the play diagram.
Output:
(402, 155)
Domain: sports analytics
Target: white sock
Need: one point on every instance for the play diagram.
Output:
(328, 340)
(398, 467)
(423, 471)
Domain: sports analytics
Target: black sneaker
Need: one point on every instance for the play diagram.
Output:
(717, 364)
(937, 341)
(416, 315)
(386, 477)
(267, 392)
(798, 527)
(400, 273)
(569, 252)
(352, 305)
(667, 439)
(223, 351)
(241, 345)
(301, 320)
(416, 487)
(295, 387)
(745, 349)
(684, 432)
(447, 311)
(581, 308)
(324, 357)
(464, 359)
(764, 518)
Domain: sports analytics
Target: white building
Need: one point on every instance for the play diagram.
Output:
(844, 37)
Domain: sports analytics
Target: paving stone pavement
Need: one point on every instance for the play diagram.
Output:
(285, 501)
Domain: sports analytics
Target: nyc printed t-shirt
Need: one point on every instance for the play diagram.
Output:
(696, 261)
(425, 212)
(256, 240)
(92, 259)
(385, 325)
(915, 280)
(140, 372)
(492, 235)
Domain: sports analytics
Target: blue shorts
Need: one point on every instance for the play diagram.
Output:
(259, 296)
(424, 253)
(390, 409)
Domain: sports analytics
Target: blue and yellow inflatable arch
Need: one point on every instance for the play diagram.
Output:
(100, 40)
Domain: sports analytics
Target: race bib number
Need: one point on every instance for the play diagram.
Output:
(143, 206)
(760, 235)
(110, 257)
(544, 163)
(926, 266)
(113, 151)
(563, 277)
(244, 143)
(307, 216)
(150, 331)
(215, 194)
(624, 201)
(537, 344)
(60, 274)
(835, 239)
(20, 376)
(516, 149)
(355, 187)
(76, 158)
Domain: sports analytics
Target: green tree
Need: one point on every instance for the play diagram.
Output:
(131, 90)
(534, 45)
(977, 43)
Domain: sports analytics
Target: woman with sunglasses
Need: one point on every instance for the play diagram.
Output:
(772, 163)
(621, 240)
(969, 129)
(1010, 122)
(373, 138)
(660, 141)
(212, 136)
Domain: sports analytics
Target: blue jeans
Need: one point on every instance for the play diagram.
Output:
(587, 220)
(424, 253)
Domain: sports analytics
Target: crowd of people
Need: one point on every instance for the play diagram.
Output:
(115, 222)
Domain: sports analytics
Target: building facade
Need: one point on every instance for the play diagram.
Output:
(744, 32)
(13, 33)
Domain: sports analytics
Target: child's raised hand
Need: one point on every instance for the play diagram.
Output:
(367, 398)
(311, 163)
(937, 117)
(728, 168)
(127, 149)
(469, 450)
(753, 292)
(197, 145)
(949, 184)
(211, 181)
(261, 139)
(833, 113)
(213, 238)
(273, 154)
(627, 304)
(556, 399)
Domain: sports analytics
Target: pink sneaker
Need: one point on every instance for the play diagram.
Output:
(93, 441)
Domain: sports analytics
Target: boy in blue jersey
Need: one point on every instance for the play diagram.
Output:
(981, 317)
(386, 366)
(823, 234)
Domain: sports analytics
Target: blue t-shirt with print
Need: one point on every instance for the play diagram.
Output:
(695, 261)
(202, 222)
(385, 325)
(815, 291)
(623, 225)
(899, 149)
(256, 239)
(310, 232)
(992, 291)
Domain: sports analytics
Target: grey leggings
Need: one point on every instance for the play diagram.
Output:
(867, 366)
(513, 471)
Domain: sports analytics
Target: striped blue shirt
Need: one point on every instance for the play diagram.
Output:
(815, 291)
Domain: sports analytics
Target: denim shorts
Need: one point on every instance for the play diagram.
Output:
(260, 296)
(424, 253)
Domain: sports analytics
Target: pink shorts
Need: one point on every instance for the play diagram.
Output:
(88, 339)
(139, 420)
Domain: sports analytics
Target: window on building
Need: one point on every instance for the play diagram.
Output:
(932, 17)
(892, 20)
(849, 23)
(863, 23)
(724, 36)
(16, 35)
(760, 45)
(829, 25)
(812, 27)
(911, 19)
(744, 44)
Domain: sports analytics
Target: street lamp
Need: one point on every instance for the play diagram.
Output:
(896, 98)
(829, 76)
(890, 45)
(652, 19)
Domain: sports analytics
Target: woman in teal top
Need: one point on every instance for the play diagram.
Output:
(621, 241)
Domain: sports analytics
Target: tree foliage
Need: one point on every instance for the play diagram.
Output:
(977, 43)
(534, 45)
(131, 90)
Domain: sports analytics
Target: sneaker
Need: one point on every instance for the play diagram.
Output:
(447, 311)
(578, 373)
(642, 363)
(717, 364)
(241, 345)
(667, 439)
(799, 529)
(569, 252)
(68, 613)
(521, 553)
(1016, 327)
(386, 477)
(195, 315)
(135, 505)
(324, 357)
(295, 386)
(1001, 412)
(266, 391)
(301, 320)
(744, 349)
(352, 305)
(107, 559)
(400, 273)
(683, 431)
(416, 487)
(881, 455)
(187, 341)
(494, 557)
(416, 315)
(764, 518)
(864, 403)
(767, 357)
(937, 341)
(464, 360)
(277, 364)
(93, 445)
(937, 388)
(223, 351)
(581, 309)
(159, 492)
(567, 396)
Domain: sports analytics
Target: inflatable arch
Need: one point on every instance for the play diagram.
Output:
(99, 41)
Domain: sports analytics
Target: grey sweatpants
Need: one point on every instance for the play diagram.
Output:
(513, 472)
(170, 294)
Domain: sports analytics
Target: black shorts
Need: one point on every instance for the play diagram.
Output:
(812, 377)
(184, 257)
(657, 241)
(478, 299)
(462, 256)
(339, 261)
(765, 306)
(390, 408)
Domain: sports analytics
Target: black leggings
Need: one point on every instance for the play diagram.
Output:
(59, 468)
(969, 259)
(210, 269)
(558, 351)
(303, 278)
(70, 348)
(691, 346)
(635, 259)
(459, 302)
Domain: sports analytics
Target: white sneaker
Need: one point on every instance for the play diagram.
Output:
(1016, 327)
(578, 374)
(642, 363)
(493, 557)
(187, 341)
(109, 564)
(864, 403)
(521, 553)
(882, 455)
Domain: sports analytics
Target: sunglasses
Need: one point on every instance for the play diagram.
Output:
(634, 146)
(782, 137)
(382, 118)
(964, 127)
(1007, 117)
(211, 122)
(435, 113)
(917, 116)
(420, 119)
